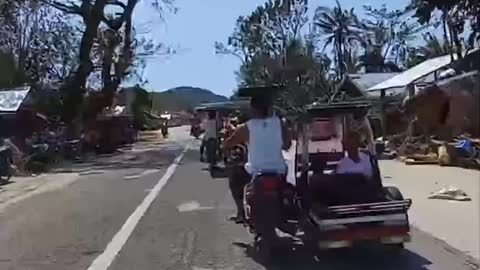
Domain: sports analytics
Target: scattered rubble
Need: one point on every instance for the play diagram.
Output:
(450, 193)
(462, 151)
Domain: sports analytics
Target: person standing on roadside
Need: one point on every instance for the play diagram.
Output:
(211, 133)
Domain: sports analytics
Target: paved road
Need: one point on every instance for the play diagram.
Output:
(184, 226)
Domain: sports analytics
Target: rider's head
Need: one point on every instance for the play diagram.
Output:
(261, 106)
(212, 114)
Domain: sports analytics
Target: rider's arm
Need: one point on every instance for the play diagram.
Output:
(240, 135)
(286, 136)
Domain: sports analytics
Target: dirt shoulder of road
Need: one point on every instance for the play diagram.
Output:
(457, 223)
(21, 188)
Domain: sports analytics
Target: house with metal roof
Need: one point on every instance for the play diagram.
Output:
(422, 74)
(18, 115)
(356, 85)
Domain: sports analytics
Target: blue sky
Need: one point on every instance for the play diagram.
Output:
(195, 28)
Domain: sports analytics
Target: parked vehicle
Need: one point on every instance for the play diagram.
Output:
(72, 149)
(37, 159)
(41, 152)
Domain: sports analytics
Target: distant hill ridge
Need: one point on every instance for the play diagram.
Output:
(184, 98)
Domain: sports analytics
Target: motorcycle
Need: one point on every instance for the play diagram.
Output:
(72, 149)
(6, 164)
(269, 203)
(262, 202)
(42, 154)
(165, 131)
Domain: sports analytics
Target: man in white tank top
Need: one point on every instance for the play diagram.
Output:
(266, 136)
(211, 131)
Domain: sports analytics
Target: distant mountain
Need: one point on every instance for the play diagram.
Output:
(183, 98)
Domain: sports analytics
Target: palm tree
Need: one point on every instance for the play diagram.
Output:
(352, 61)
(386, 37)
(339, 28)
(434, 47)
(374, 41)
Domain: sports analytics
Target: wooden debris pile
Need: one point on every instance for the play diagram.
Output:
(462, 151)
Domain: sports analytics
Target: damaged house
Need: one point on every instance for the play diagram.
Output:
(442, 95)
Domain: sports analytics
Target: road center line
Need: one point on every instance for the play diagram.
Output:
(104, 260)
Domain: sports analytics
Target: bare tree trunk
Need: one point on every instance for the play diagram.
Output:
(74, 88)
(457, 42)
(125, 60)
(445, 35)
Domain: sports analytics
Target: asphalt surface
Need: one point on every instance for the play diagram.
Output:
(184, 227)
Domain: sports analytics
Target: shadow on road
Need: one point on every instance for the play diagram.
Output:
(4, 183)
(139, 156)
(217, 172)
(295, 255)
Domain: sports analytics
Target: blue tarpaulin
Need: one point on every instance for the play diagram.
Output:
(467, 148)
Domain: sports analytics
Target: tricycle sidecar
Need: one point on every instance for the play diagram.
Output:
(343, 209)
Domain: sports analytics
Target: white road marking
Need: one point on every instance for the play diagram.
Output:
(91, 172)
(142, 174)
(191, 206)
(104, 260)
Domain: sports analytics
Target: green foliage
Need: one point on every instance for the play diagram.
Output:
(140, 104)
(48, 102)
(272, 51)
(10, 76)
(387, 38)
(41, 40)
(455, 16)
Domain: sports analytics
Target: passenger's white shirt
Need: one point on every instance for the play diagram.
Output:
(363, 166)
(265, 146)
(211, 129)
